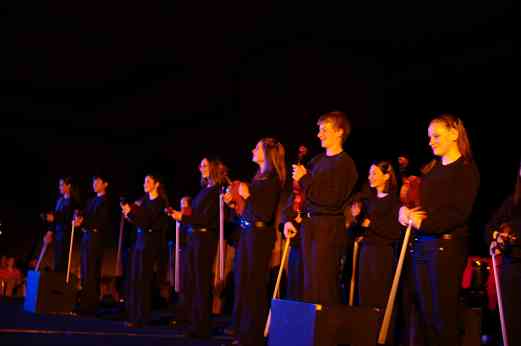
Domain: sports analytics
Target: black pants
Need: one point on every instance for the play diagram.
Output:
(375, 275)
(251, 278)
(140, 275)
(200, 254)
(511, 288)
(436, 269)
(91, 252)
(61, 251)
(295, 273)
(323, 239)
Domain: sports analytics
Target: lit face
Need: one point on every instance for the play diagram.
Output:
(98, 185)
(441, 138)
(329, 135)
(184, 203)
(204, 168)
(63, 187)
(150, 184)
(258, 155)
(376, 177)
(403, 161)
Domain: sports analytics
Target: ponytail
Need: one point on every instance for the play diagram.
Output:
(275, 162)
(453, 122)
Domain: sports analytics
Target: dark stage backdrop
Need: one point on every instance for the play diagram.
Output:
(132, 89)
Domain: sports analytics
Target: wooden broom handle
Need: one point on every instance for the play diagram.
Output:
(384, 330)
(277, 284)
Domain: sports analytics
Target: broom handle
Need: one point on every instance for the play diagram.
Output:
(356, 248)
(42, 253)
(277, 285)
(384, 330)
(70, 255)
(499, 296)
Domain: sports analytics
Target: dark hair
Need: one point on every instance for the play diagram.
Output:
(387, 168)
(161, 191)
(339, 121)
(452, 122)
(102, 176)
(517, 191)
(74, 192)
(274, 160)
(217, 174)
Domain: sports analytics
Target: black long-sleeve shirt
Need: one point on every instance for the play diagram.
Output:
(97, 214)
(63, 214)
(382, 213)
(329, 183)
(263, 201)
(447, 194)
(205, 209)
(509, 213)
(150, 214)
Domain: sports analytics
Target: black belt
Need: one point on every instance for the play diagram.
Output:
(446, 236)
(141, 230)
(85, 230)
(245, 225)
(310, 215)
(197, 230)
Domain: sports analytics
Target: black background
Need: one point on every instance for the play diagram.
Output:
(154, 87)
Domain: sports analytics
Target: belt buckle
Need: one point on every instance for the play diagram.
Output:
(245, 224)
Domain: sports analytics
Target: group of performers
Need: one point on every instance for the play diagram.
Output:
(437, 206)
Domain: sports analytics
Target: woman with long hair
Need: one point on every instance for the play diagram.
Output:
(257, 239)
(381, 233)
(438, 251)
(203, 230)
(151, 222)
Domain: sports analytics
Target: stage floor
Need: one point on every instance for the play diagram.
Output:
(18, 327)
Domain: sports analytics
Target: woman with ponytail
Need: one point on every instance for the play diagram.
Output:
(151, 223)
(257, 222)
(447, 193)
(203, 234)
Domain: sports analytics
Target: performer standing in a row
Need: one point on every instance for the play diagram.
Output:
(327, 186)
(293, 211)
(381, 232)
(95, 222)
(447, 194)
(148, 215)
(507, 222)
(61, 219)
(257, 240)
(202, 246)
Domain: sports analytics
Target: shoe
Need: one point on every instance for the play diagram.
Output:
(229, 331)
(134, 324)
(195, 335)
